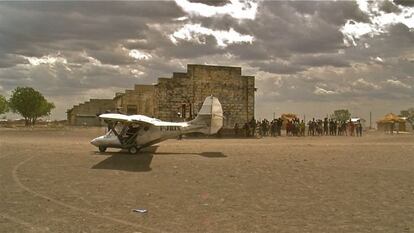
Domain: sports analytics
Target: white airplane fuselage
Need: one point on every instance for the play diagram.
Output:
(147, 135)
(139, 131)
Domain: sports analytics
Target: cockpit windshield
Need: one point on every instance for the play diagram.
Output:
(119, 129)
(114, 129)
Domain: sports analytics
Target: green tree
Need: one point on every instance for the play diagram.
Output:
(29, 103)
(4, 106)
(341, 115)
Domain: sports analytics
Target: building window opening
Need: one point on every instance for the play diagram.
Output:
(131, 109)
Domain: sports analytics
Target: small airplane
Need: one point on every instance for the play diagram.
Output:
(138, 131)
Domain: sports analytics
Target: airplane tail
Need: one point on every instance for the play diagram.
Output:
(210, 117)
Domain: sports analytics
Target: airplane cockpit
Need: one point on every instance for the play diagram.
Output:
(119, 134)
(124, 132)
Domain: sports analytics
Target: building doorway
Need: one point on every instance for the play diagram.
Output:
(131, 110)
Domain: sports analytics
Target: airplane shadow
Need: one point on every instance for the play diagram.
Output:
(126, 162)
(213, 154)
(203, 154)
(140, 162)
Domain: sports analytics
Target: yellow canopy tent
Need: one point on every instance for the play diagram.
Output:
(386, 122)
(391, 118)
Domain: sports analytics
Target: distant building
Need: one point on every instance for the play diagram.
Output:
(180, 97)
(85, 113)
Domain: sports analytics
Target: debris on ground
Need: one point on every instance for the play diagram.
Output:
(142, 211)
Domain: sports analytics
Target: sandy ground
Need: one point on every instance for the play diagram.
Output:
(53, 180)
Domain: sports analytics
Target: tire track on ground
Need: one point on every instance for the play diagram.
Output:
(18, 221)
(3, 156)
(74, 208)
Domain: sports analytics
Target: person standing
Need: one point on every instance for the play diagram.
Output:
(302, 128)
(246, 129)
(397, 127)
(118, 110)
(273, 128)
(325, 126)
(359, 128)
(310, 128)
(236, 130)
(252, 127)
(351, 128)
(279, 126)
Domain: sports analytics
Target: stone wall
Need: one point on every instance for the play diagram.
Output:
(173, 96)
(185, 92)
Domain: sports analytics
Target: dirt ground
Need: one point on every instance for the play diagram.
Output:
(53, 180)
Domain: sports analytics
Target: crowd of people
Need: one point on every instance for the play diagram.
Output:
(296, 127)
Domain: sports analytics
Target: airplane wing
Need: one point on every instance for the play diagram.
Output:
(114, 117)
(140, 119)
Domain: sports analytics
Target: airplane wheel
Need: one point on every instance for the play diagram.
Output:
(133, 150)
(102, 149)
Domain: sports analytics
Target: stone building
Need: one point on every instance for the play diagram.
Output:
(85, 113)
(137, 101)
(180, 97)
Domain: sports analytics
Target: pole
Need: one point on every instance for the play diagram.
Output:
(370, 120)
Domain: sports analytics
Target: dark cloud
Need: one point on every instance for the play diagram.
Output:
(156, 10)
(115, 56)
(212, 2)
(10, 60)
(188, 49)
(59, 81)
(389, 7)
(39, 28)
(285, 28)
(344, 10)
(404, 2)
(278, 67)
(398, 41)
(336, 60)
(255, 51)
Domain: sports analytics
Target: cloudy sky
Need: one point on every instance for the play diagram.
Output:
(309, 57)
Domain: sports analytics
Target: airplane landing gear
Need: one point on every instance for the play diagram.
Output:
(102, 149)
(133, 150)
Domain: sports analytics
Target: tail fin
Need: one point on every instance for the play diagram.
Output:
(210, 116)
